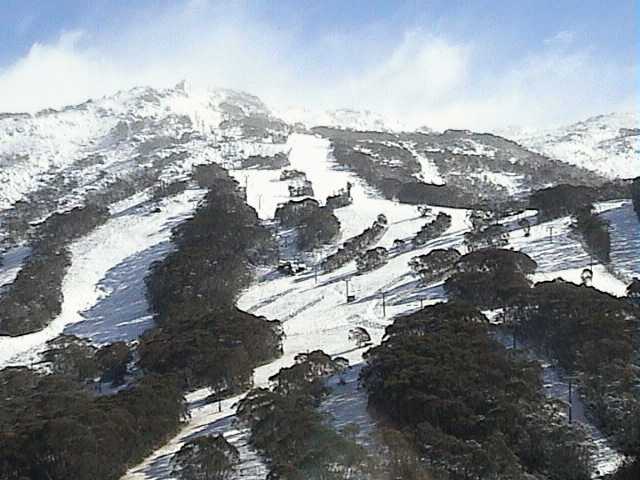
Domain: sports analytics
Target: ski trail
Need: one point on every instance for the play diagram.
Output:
(92, 257)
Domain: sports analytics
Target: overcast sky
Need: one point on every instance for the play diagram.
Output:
(464, 64)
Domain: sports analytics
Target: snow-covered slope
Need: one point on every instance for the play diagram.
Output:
(86, 145)
(608, 144)
(82, 148)
(361, 120)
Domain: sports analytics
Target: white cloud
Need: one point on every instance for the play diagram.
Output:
(563, 38)
(424, 79)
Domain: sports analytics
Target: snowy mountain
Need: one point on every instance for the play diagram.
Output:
(55, 159)
(136, 155)
(362, 120)
(607, 144)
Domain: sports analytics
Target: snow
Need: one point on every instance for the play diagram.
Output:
(559, 254)
(556, 386)
(347, 404)
(429, 171)
(11, 263)
(316, 315)
(361, 120)
(597, 143)
(118, 250)
(625, 240)
(104, 288)
(512, 182)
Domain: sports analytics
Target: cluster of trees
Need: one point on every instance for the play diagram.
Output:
(635, 195)
(273, 162)
(287, 428)
(566, 199)
(590, 334)
(371, 259)
(486, 231)
(595, 232)
(472, 409)
(206, 458)
(51, 428)
(54, 427)
(315, 225)
(561, 200)
(490, 277)
(169, 189)
(200, 335)
(432, 229)
(301, 189)
(434, 265)
(354, 246)
(35, 297)
(292, 174)
(341, 199)
(79, 360)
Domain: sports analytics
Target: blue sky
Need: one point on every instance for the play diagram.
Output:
(454, 63)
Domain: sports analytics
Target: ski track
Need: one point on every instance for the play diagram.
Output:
(121, 249)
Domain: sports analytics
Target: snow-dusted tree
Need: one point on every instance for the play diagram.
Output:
(360, 336)
(206, 458)
(525, 225)
(424, 210)
(586, 276)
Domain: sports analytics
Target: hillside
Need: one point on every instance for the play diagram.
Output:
(608, 144)
(206, 278)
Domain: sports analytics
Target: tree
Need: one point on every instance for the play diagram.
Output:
(360, 336)
(633, 290)
(424, 210)
(635, 195)
(206, 458)
(586, 276)
(525, 225)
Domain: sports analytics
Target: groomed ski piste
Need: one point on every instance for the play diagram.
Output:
(104, 289)
(131, 239)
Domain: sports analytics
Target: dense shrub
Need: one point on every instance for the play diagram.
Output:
(490, 278)
(316, 225)
(354, 246)
(201, 336)
(206, 458)
(433, 229)
(371, 259)
(595, 232)
(434, 265)
(471, 408)
(589, 333)
(635, 195)
(287, 428)
(52, 429)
